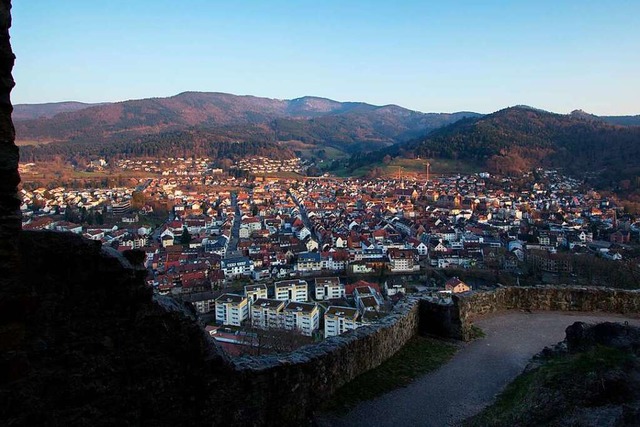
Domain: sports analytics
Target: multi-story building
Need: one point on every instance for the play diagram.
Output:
(203, 302)
(121, 208)
(338, 320)
(267, 313)
(302, 316)
(367, 299)
(328, 288)
(309, 261)
(231, 309)
(291, 290)
(403, 260)
(254, 292)
(239, 266)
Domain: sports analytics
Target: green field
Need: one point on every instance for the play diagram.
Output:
(308, 151)
(412, 168)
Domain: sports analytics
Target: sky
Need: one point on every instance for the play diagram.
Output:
(443, 56)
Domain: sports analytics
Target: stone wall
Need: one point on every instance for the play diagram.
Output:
(545, 298)
(283, 389)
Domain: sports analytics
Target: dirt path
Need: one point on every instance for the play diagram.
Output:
(473, 377)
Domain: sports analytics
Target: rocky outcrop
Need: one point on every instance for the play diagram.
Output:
(592, 378)
(583, 336)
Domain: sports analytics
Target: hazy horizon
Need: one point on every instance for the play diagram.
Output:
(310, 96)
(425, 57)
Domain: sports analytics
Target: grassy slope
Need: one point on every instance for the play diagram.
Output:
(419, 356)
(413, 168)
(547, 394)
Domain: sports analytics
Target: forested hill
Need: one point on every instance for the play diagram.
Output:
(519, 138)
(124, 128)
(614, 120)
(198, 143)
(309, 119)
(48, 110)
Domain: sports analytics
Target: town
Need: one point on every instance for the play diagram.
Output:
(271, 262)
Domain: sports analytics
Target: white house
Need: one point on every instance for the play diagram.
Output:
(239, 266)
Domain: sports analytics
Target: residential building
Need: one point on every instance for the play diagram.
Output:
(291, 290)
(254, 292)
(302, 316)
(328, 288)
(267, 313)
(403, 260)
(239, 266)
(231, 309)
(456, 286)
(338, 320)
(367, 299)
(203, 302)
(309, 261)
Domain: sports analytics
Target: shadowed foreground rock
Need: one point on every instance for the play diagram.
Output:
(85, 344)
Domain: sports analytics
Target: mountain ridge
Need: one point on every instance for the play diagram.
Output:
(347, 126)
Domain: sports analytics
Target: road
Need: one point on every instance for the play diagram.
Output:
(305, 217)
(232, 247)
(473, 377)
(144, 185)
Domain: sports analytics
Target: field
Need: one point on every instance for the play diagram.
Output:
(320, 152)
(24, 142)
(45, 173)
(413, 168)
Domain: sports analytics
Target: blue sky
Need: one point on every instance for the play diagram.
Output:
(425, 55)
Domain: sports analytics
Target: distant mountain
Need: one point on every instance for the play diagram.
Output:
(614, 120)
(39, 111)
(349, 126)
(517, 139)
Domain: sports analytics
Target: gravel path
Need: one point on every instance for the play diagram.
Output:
(473, 377)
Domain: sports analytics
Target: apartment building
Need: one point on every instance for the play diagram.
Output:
(255, 292)
(367, 299)
(267, 313)
(338, 320)
(328, 288)
(291, 290)
(403, 260)
(234, 267)
(231, 309)
(302, 316)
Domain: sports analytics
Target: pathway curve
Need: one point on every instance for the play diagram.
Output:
(473, 377)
